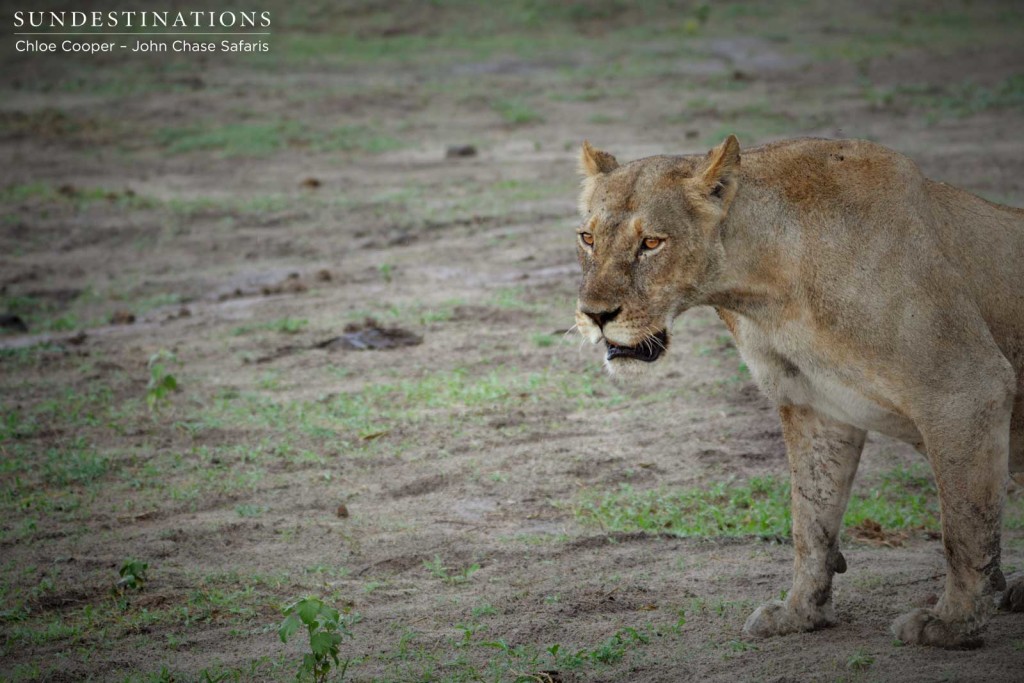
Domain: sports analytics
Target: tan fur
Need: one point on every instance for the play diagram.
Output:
(862, 296)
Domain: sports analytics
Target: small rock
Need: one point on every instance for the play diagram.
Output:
(457, 151)
(342, 511)
(292, 284)
(311, 183)
(9, 321)
(323, 275)
(370, 336)
(78, 338)
(122, 317)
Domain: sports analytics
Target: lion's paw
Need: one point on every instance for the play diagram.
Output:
(778, 618)
(1013, 596)
(924, 627)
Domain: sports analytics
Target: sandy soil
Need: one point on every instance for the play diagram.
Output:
(255, 216)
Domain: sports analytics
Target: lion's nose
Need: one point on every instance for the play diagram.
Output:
(602, 318)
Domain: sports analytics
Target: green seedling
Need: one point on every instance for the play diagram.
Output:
(133, 575)
(860, 659)
(161, 382)
(326, 628)
(438, 570)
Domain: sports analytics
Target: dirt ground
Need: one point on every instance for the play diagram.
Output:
(254, 226)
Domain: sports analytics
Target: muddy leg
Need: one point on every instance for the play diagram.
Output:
(968, 445)
(823, 457)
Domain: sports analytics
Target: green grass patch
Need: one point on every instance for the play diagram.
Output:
(759, 507)
(902, 499)
(29, 356)
(219, 206)
(859, 660)
(267, 138)
(148, 303)
(512, 299)
(61, 312)
(940, 30)
(285, 325)
(380, 408)
(73, 196)
(71, 408)
(477, 654)
(958, 100)
(516, 112)
(450, 576)
(73, 466)
(230, 600)
(543, 340)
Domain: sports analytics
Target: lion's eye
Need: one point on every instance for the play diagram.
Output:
(652, 243)
(587, 238)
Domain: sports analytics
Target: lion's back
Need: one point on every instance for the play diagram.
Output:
(862, 203)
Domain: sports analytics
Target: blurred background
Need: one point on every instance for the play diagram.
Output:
(367, 98)
(295, 322)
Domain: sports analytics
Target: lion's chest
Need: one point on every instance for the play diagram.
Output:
(788, 367)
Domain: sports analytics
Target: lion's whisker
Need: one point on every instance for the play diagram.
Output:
(650, 338)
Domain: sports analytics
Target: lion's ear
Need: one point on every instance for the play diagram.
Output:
(718, 174)
(594, 161)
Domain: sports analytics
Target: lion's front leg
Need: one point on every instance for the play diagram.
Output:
(823, 457)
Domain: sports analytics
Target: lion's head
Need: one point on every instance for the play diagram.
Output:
(648, 244)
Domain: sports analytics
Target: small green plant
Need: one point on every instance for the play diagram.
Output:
(133, 575)
(326, 628)
(249, 510)
(438, 570)
(859, 660)
(281, 325)
(611, 651)
(468, 631)
(516, 112)
(544, 340)
(161, 381)
(740, 646)
(484, 610)
(289, 325)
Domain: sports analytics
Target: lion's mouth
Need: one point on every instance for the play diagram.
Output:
(648, 350)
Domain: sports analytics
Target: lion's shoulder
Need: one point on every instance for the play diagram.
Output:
(835, 175)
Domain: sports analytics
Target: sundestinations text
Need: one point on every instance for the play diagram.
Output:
(141, 19)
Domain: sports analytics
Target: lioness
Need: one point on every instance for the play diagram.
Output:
(862, 296)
